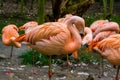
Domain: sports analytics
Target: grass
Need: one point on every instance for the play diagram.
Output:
(32, 57)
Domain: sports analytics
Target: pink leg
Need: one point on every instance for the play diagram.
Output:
(33, 58)
(117, 78)
(101, 69)
(50, 70)
(68, 63)
(11, 52)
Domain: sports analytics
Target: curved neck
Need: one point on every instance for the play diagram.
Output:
(75, 25)
(76, 21)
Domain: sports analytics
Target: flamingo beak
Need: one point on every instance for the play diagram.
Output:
(21, 28)
(82, 34)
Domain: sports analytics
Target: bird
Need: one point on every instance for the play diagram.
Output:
(110, 26)
(97, 24)
(63, 20)
(28, 26)
(88, 37)
(56, 38)
(103, 31)
(9, 34)
(109, 48)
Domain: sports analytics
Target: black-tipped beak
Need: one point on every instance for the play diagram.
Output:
(86, 45)
(81, 34)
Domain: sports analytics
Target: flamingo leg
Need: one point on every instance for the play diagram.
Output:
(50, 68)
(33, 60)
(117, 78)
(68, 63)
(11, 53)
(101, 68)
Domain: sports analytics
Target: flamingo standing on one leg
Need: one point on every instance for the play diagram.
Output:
(63, 20)
(110, 49)
(54, 38)
(9, 34)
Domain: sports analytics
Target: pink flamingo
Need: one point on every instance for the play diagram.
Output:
(103, 32)
(55, 38)
(109, 48)
(87, 39)
(9, 34)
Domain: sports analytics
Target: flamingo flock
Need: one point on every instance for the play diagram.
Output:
(66, 36)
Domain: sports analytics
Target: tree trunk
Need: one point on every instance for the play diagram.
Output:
(40, 11)
(61, 7)
(21, 7)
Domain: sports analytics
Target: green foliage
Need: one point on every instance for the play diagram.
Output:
(88, 57)
(16, 19)
(37, 59)
(89, 19)
(28, 57)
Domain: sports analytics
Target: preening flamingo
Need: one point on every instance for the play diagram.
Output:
(63, 20)
(67, 16)
(97, 24)
(9, 34)
(55, 38)
(87, 39)
(29, 26)
(110, 26)
(103, 32)
(110, 49)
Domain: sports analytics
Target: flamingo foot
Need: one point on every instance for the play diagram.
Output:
(9, 73)
(68, 64)
(101, 75)
(10, 56)
(50, 74)
(35, 72)
(116, 78)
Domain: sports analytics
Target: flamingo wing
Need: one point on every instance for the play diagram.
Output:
(47, 31)
(110, 42)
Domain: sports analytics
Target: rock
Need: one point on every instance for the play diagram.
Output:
(2, 56)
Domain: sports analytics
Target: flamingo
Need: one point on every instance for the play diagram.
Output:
(110, 26)
(55, 38)
(103, 31)
(97, 24)
(29, 26)
(9, 34)
(87, 39)
(67, 16)
(63, 20)
(110, 49)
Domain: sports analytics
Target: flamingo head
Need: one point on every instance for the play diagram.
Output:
(91, 46)
(10, 26)
(27, 25)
